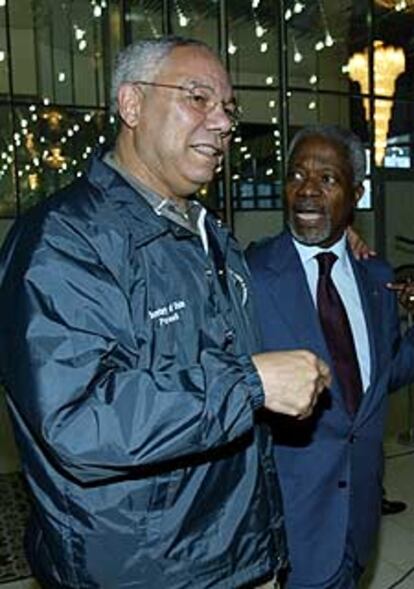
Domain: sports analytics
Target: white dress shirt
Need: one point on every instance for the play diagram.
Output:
(344, 280)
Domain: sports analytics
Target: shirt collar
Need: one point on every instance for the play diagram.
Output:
(191, 219)
(308, 252)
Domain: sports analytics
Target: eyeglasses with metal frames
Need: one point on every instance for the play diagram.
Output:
(202, 99)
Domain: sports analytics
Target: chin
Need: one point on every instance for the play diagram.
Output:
(202, 179)
(310, 236)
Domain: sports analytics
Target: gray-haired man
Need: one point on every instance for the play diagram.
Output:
(126, 346)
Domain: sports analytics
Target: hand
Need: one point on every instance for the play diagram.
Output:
(359, 247)
(292, 381)
(405, 293)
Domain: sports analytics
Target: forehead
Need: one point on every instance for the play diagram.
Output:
(322, 150)
(195, 64)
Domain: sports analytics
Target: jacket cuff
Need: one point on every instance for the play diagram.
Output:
(253, 383)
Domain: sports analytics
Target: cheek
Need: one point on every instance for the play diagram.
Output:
(339, 210)
(289, 197)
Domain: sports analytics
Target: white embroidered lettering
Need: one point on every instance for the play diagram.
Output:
(167, 313)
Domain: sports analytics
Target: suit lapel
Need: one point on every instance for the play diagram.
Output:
(288, 289)
(371, 306)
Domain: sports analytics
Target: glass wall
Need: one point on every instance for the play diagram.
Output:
(292, 63)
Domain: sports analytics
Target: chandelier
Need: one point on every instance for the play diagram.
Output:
(389, 62)
(397, 5)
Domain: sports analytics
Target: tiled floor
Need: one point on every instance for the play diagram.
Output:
(395, 552)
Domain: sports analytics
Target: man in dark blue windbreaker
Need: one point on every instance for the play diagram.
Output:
(126, 345)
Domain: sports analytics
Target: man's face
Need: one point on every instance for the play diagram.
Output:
(320, 195)
(177, 148)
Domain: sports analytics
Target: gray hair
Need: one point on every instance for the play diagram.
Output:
(142, 61)
(350, 142)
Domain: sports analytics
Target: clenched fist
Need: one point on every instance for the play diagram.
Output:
(292, 380)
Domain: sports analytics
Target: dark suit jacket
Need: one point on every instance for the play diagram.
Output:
(331, 465)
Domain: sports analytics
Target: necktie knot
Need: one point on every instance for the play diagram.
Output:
(326, 260)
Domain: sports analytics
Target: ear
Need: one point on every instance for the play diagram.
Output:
(129, 104)
(358, 192)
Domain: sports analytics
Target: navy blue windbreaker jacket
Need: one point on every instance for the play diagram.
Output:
(125, 357)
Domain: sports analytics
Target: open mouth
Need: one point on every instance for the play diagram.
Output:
(309, 216)
(209, 151)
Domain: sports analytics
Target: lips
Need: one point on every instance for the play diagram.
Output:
(208, 150)
(309, 216)
(309, 213)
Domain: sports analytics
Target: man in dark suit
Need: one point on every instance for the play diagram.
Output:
(312, 293)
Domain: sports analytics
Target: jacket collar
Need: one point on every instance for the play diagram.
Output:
(135, 210)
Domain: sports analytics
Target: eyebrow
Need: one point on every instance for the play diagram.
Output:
(198, 84)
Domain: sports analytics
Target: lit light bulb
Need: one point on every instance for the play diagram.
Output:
(260, 31)
(232, 48)
(183, 20)
(82, 45)
(97, 11)
(298, 7)
(297, 56)
(61, 77)
(319, 45)
(313, 79)
(312, 105)
(328, 39)
(264, 47)
(288, 14)
(79, 33)
(2, 55)
(269, 80)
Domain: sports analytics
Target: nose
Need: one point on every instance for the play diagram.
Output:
(310, 186)
(218, 120)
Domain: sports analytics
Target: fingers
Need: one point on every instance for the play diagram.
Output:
(405, 293)
(292, 380)
(322, 380)
(359, 247)
(324, 375)
(396, 286)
